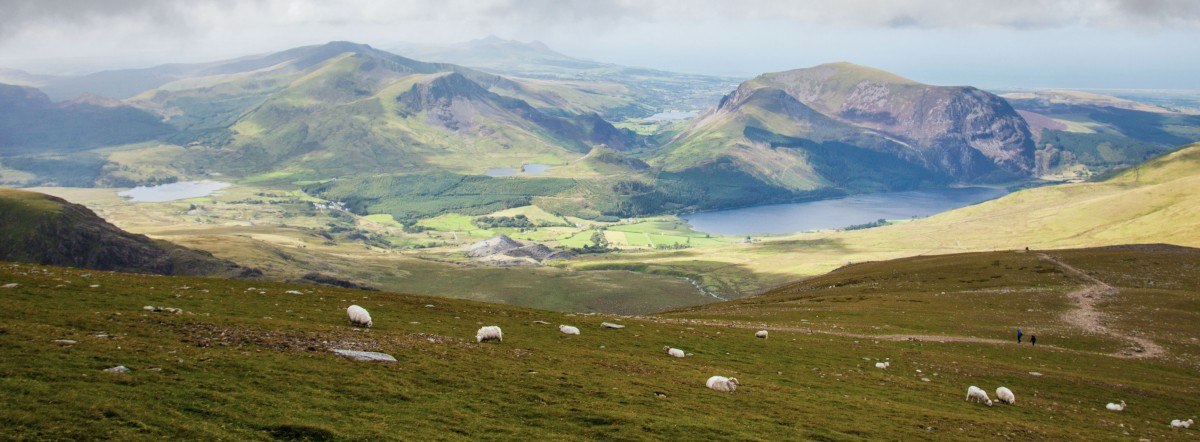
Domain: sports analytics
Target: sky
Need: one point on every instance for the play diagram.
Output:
(1098, 44)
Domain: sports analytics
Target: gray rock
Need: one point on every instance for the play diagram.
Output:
(364, 355)
(611, 325)
(118, 369)
(65, 342)
(11, 285)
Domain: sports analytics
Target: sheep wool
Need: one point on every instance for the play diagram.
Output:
(566, 329)
(673, 352)
(723, 384)
(489, 333)
(883, 365)
(761, 334)
(359, 316)
(1181, 423)
(1116, 407)
(978, 395)
(1003, 394)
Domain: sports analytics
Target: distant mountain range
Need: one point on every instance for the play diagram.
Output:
(653, 90)
(365, 116)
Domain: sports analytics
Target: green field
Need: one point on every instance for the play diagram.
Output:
(248, 361)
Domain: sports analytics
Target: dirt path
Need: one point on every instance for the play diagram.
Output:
(1085, 317)
(1088, 318)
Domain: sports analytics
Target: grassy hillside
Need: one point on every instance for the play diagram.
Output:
(1155, 202)
(247, 360)
(44, 229)
(1091, 133)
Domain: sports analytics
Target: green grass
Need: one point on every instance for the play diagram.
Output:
(250, 364)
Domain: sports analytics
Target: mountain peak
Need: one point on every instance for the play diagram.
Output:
(844, 71)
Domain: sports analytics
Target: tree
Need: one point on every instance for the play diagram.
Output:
(598, 240)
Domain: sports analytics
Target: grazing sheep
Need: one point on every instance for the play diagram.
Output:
(1182, 424)
(1116, 407)
(883, 365)
(359, 316)
(673, 351)
(489, 333)
(761, 334)
(568, 329)
(722, 383)
(1003, 394)
(978, 395)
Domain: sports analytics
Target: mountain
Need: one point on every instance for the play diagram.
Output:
(31, 123)
(318, 111)
(794, 130)
(1083, 133)
(497, 53)
(47, 230)
(343, 108)
(646, 91)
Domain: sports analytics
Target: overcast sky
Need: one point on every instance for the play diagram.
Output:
(988, 43)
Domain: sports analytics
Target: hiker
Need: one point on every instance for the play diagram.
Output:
(1033, 339)
(1019, 334)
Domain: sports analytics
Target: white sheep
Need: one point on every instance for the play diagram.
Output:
(977, 394)
(722, 383)
(1182, 424)
(1003, 394)
(359, 316)
(761, 334)
(673, 351)
(1116, 407)
(489, 333)
(568, 329)
(883, 365)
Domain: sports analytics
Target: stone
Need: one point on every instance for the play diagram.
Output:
(611, 325)
(11, 285)
(118, 369)
(370, 356)
(65, 342)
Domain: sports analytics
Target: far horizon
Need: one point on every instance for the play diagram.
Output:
(992, 45)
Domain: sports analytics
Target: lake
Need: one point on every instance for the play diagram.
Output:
(837, 213)
(532, 169)
(173, 191)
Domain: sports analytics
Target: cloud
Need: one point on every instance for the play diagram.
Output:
(190, 15)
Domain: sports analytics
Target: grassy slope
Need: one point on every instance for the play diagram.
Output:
(248, 364)
(1156, 202)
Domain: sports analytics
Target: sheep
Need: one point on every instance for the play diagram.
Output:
(1003, 394)
(883, 365)
(673, 351)
(1182, 424)
(359, 316)
(568, 329)
(722, 383)
(1116, 407)
(489, 333)
(761, 334)
(978, 395)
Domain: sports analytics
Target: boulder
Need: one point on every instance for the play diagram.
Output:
(370, 356)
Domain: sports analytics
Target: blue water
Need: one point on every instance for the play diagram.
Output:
(532, 169)
(173, 191)
(837, 213)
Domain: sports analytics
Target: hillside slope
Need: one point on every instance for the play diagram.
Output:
(1095, 132)
(1156, 202)
(781, 127)
(252, 360)
(43, 229)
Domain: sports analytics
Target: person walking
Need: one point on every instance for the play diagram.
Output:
(1019, 334)
(1033, 340)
